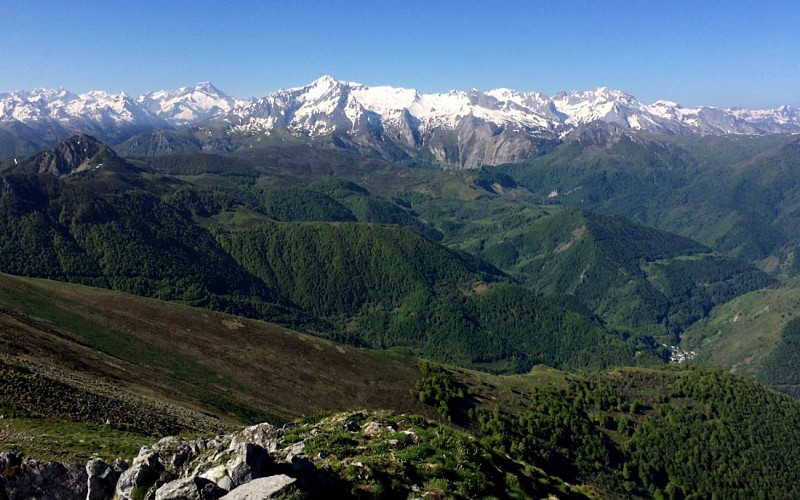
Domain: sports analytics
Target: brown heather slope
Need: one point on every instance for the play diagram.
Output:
(151, 354)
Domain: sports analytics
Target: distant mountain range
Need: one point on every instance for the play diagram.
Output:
(457, 129)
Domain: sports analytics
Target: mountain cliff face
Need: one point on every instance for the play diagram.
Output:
(457, 129)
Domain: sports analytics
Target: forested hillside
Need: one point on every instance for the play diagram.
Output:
(380, 285)
(639, 279)
(736, 194)
(395, 289)
(681, 432)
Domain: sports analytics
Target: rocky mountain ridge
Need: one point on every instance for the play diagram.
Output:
(457, 129)
(79, 153)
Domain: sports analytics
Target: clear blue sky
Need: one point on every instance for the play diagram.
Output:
(721, 53)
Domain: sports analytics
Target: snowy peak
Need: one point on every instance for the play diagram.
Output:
(187, 105)
(603, 104)
(98, 106)
(111, 117)
(327, 105)
(322, 86)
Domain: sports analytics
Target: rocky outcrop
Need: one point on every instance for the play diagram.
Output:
(208, 469)
(190, 488)
(173, 468)
(362, 454)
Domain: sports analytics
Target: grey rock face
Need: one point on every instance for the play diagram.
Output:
(36, 480)
(251, 462)
(219, 476)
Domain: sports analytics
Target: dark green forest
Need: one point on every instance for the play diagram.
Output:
(685, 432)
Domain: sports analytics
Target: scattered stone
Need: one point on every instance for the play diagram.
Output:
(372, 429)
(294, 450)
(9, 459)
(412, 435)
(33, 479)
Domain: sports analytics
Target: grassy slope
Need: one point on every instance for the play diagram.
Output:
(106, 352)
(734, 194)
(182, 361)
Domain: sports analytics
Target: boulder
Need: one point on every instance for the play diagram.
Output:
(372, 429)
(142, 475)
(219, 476)
(250, 462)
(190, 488)
(261, 488)
(102, 481)
(263, 435)
(175, 451)
(294, 450)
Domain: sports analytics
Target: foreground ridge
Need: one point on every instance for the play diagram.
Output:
(376, 453)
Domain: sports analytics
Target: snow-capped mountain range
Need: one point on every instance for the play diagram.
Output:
(459, 128)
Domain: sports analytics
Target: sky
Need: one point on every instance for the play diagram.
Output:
(719, 53)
